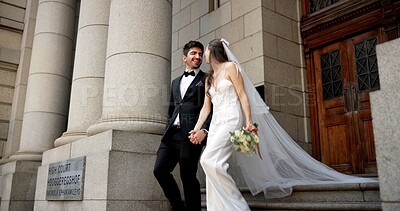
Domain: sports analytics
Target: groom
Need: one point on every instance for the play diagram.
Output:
(186, 100)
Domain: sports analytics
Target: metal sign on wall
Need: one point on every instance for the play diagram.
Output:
(65, 179)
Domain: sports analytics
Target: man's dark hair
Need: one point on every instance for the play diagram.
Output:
(192, 44)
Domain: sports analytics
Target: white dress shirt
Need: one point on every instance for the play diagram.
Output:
(185, 83)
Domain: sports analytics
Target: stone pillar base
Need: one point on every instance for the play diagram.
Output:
(17, 185)
(118, 173)
(127, 125)
(69, 137)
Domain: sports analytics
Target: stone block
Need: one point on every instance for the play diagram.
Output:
(198, 9)
(11, 24)
(95, 13)
(126, 179)
(372, 195)
(51, 14)
(20, 205)
(3, 131)
(252, 22)
(292, 102)
(288, 8)
(280, 73)
(99, 143)
(5, 111)
(272, 96)
(296, 36)
(28, 34)
(14, 137)
(215, 19)
(176, 58)
(175, 41)
(31, 9)
(248, 48)
(48, 45)
(86, 205)
(270, 45)
(9, 55)
(232, 31)
(57, 154)
(56, 99)
(135, 142)
(49, 205)
(18, 104)
(7, 180)
(205, 40)
(23, 67)
(289, 52)
(7, 77)
(181, 19)
(19, 3)
(176, 6)
(189, 32)
(10, 40)
(131, 100)
(186, 3)
(41, 182)
(276, 24)
(391, 206)
(384, 108)
(86, 98)
(152, 18)
(97, 176)
(6, 95)
(91, 54)
(240, 7)
(268, 4)
(12, 12)
(255, 70)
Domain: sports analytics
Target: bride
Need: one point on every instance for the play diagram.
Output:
(281, 164)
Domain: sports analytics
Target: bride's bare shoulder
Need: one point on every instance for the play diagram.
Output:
(231, 68)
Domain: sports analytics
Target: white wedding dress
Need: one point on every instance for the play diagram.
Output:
(221, 191)
(284, 163)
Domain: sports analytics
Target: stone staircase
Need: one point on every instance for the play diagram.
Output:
(356, 196)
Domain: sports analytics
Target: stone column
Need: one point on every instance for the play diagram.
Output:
(88, 79)
(17, 112)
(385, 109)
(47, 97)
(138, 65)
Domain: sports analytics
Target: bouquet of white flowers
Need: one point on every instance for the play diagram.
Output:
(245, 141)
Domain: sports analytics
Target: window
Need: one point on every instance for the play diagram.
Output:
(316, 5)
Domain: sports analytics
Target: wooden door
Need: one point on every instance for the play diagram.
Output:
(345, 73)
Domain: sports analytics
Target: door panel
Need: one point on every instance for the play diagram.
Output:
(331, 76)
(345, 73)
(365, 78)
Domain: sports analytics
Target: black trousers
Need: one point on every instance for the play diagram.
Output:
(168, 156)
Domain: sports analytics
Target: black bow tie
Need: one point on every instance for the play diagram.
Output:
(186, 74)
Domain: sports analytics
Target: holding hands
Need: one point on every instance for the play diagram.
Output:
(197, 136)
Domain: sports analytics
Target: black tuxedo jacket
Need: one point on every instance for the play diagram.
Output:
(188, 107)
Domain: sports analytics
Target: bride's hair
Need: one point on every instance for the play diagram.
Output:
(218, 53)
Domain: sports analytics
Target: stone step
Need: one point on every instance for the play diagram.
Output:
(354, 196)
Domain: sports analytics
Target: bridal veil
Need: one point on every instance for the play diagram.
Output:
(284, 163)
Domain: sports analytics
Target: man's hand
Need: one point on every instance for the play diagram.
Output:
(197, 136)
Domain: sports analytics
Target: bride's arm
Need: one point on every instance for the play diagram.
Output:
(205, 110)
(237, 80)
(203, 116)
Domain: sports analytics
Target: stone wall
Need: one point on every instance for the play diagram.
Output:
(12, 13)
(265, 37)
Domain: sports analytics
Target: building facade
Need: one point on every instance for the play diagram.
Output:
(91, 78)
